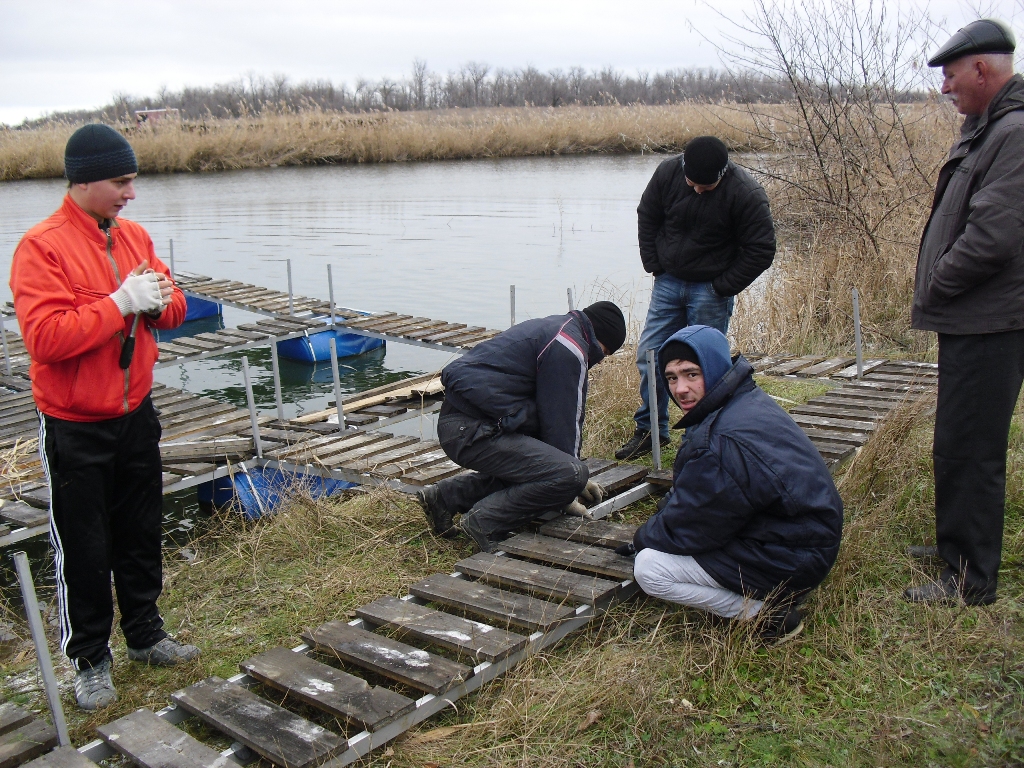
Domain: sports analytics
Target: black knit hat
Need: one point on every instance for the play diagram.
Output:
(96, 152)
(609, 324)
(705, 160)
(677, 350)
(981, 36)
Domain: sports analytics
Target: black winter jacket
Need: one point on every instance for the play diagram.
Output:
(752, 501)
(530, 379)
(725, 236)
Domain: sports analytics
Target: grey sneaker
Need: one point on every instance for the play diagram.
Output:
(94, 688)
(165, 653)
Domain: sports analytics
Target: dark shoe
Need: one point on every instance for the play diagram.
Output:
(780, 626)
(475, 532)
(437, 513)
(945, 590)
(94, 688)
(923, 551)
(638, 445)
(165, 653)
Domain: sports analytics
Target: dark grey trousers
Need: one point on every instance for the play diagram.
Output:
(515, 478)
(980, 379)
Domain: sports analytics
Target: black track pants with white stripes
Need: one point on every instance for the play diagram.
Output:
(105, 511)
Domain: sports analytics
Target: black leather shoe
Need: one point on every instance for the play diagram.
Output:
(923, 551)
(638, 445)
(437, 513)
(945, 590)
(475, 532)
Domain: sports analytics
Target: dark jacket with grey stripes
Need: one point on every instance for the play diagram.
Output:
(725, 236)
(531, 379)
(752, 500)
(970, 268)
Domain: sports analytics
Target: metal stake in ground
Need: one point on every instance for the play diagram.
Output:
(652, 398)
(171, 248)
(276, 365)
(291, 299)
(512, 302)
(856, 334)
(330, 291)
(568, 292)
(252, 407)
(3, 337)
(337, 384)
(35, 624)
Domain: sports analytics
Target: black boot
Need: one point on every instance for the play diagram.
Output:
(638, 445)
(781, 623)
(437, 513)
(476, 533)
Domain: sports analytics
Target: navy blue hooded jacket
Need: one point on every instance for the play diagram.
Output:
(530, 379)
(752, 500)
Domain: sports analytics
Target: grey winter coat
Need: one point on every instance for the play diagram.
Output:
(970, 268)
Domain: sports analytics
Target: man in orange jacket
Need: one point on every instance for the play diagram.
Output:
(87, 290)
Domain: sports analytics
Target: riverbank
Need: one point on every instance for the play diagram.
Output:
(872, 681)
(317, 137)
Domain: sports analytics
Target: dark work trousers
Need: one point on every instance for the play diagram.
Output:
(516, 477)
(980, 378)
(106, 500)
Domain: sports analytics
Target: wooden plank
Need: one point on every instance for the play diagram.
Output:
(895, 378)
(24, 743)
(541, 580)
(38, 497)
(832, 451)
(20, 513)
(662, 477)
(217, 448)
(367, 451)
(855, 439)
(384, 410)
(597, 466)
(385, 656)
(851, 371)
(407, 466)
(279, 735)
(570, 554)
(338, 693)
(370, 397)
(390, 458)
(792, 366)
(480, 641)
(62, 757)
(602, 533)
(433, 474)
(152, 742)
(435, 331)
(839, 412)
(826, 367)
(342, 445)
(837, 425)
(443, 337)
(500, 607)
(618, 478)
(198, 344)
(842, 400)
(12, 717)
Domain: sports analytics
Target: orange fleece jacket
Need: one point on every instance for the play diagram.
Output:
(62, 279)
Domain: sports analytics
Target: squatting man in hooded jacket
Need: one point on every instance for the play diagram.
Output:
(88, 288)
(513, 412)
(753, 520)
(970, 290)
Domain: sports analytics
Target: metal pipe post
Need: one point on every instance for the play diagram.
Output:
(337, 384)
(291, 300)
(512, 302)
(171, 248)
(856, 334)
(568, 292)
(3, 338)
(252, 407)
(276, 365)
(35, 624)
(652, 398)
(330, 291)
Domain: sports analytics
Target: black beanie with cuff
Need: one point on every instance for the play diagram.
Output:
(96, 152)
(609, 324)
(705, 160)
(677, 350)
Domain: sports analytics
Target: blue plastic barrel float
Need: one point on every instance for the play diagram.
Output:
(315, 347)
(258, 491)
(197, 309)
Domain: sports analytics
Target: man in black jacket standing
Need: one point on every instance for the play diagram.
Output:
(705, 233)
(513, 412)
(753, 516)
(970, 290)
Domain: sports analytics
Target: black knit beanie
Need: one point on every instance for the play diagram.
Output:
(96, 152)
(705, 160)
(677, 350)
(609, 324)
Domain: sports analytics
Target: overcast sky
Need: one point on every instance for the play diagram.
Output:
(64, 54)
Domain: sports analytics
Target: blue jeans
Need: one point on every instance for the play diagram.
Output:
(675, 304)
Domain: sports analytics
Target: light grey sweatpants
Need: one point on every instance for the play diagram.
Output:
(680, 579)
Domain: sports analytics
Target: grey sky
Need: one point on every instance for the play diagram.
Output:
(60, 54)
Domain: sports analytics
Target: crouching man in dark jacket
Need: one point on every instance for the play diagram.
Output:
(753, 515)
(513, 412)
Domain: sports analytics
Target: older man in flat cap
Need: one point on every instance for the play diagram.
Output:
(970, 290)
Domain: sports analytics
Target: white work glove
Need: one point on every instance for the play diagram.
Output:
(139, 293)
(593, 493)
(576, 508)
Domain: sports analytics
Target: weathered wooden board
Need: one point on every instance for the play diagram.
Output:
(435, 330)
(20, 513)
(826, 367)
(12, 716)
(618, 478)
(432, 474)
(152, 742)
(343, 695)
(570, 554)
(407, 466)
(500, 607)
(792, 366)
(279, 735)
(540, 580)
(389, 458)
(38, 497)
(217, 448)
(845, 400)
(464, 636)
(386, 656)
(597, 466)
(385, 410)
(368, 451)
(840, 412)
(602, 533)
(851, 371)
(855, 439)
(24, 743)
(837, 425)
(662, 477)
(62, 757)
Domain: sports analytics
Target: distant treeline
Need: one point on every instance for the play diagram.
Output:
(472, 85)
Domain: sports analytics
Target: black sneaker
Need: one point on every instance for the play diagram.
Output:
(638, 445)
(437, 513)
(781, 625)
(475, 532)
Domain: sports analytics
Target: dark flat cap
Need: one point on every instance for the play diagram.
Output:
(981, 36)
